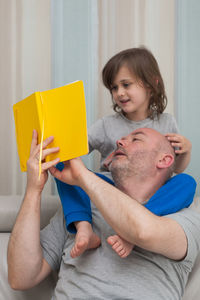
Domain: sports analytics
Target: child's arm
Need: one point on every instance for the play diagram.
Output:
(183, 148)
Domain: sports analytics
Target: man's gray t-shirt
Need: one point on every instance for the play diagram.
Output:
(101, 274)
(104, 133)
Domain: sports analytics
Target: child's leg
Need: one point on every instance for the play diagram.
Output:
(85, 239)
(78, 217)
(75, 203)
(77, 212)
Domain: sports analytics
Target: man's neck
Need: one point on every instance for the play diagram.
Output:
(140, 190)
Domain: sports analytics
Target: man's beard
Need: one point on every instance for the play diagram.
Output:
(138, 165)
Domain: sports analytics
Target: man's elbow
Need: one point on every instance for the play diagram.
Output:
(143, 236)
(17, 282)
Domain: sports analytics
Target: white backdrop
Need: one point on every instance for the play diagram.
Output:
(36, 53)
(25, 62)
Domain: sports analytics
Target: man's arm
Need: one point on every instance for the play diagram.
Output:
(26, 266)
(127, 217)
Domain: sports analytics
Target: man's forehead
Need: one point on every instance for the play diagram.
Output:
(138, 132)
(143, 131)
(146, 132)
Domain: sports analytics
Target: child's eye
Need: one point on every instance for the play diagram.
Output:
(126, 85)
(114, 88)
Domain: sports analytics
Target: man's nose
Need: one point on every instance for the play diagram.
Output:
(121, 143)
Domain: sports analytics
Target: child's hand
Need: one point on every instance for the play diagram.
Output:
(179, 142)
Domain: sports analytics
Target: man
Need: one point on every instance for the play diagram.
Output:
(165, 247)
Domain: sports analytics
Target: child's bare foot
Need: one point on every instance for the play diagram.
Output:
(85, 239)
(120, 246)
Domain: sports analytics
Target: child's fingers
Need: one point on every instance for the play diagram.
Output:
(176, 144)
(171, 134)
(174, 138)
(179, 151)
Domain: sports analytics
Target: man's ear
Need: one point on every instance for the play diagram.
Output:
(165, 161)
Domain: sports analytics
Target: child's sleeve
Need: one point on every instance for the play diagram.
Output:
(75, 202)
(96, 136)
(177, 193)
(174, 126)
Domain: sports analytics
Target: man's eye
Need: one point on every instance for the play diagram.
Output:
(135, 139)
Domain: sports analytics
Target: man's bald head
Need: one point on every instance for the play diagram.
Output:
(142, 153)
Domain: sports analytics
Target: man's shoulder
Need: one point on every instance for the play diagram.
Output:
(189, 220)
(187, 217)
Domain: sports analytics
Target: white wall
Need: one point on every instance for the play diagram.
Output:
(25, 62)
(131, 23)
(37, 55)
(187, 78)
(74, 49)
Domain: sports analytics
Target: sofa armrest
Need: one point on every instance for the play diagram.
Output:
(9, 208)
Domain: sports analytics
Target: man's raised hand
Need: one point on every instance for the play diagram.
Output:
(34, 182)
(72, 172)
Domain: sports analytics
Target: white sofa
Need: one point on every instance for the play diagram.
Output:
(9, 206)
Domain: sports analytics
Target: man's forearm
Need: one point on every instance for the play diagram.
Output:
(134, 222)
(24, 251)
(131, 220)
(119, 210)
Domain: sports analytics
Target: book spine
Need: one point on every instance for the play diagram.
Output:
(40, 114)
(40, 104)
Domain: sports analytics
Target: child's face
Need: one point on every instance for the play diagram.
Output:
(130, 95)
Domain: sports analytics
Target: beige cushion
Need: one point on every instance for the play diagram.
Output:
(10, 205)
(42, 291)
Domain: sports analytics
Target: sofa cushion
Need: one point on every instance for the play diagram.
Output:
(42, 291)
(10, 205)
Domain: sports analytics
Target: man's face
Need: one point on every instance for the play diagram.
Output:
(136, 153)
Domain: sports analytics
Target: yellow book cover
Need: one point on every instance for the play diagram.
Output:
(60, 112)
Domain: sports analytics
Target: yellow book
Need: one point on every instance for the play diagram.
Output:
(60, 112)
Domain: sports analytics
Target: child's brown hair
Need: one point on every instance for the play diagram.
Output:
(142, 64)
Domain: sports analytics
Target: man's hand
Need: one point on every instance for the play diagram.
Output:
(34, 183)
(73, 170)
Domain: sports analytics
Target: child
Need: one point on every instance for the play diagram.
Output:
(137, 90)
